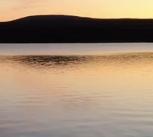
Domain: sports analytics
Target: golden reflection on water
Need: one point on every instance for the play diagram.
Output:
(77, 95)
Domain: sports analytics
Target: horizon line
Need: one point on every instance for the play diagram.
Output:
(69, 15)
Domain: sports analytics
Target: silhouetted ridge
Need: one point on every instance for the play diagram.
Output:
(66, 29)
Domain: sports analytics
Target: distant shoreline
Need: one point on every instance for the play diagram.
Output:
(73, 29)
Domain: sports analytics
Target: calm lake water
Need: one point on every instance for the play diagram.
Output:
(104, 95)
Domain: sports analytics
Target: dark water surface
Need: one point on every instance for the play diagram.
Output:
(77, 96)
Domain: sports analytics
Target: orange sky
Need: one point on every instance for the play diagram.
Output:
(12, 9)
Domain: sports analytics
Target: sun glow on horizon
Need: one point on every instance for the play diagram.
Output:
(14, 9)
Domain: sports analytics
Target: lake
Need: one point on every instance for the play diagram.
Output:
(51, 90)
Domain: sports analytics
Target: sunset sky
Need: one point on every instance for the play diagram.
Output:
(12, 9)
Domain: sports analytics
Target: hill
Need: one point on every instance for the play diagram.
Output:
(73, 29)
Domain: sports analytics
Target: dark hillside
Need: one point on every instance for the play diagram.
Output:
(73, 29)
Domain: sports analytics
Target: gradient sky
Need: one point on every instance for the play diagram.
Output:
(12, 9)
